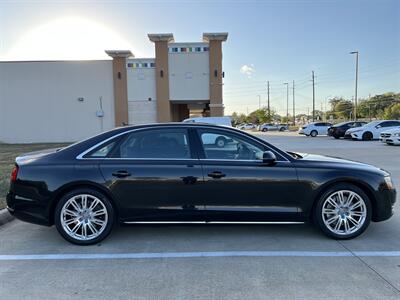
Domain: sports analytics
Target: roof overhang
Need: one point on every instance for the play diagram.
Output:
(215, 36)
(119, 53)
(161, 37)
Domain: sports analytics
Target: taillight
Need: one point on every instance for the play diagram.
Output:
(14, 174)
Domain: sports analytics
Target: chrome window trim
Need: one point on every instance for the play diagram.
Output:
(81, 155)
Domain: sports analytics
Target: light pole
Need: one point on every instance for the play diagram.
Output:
(287, 102)
(355, 97)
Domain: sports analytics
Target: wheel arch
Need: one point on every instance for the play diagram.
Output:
(362, 185)
(80, 185)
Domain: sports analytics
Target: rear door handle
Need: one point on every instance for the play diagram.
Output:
(121, 174)
(216, 174)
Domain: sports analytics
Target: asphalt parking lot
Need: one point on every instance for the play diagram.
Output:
(216, 261)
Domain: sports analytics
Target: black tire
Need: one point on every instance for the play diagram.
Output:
(282, 129)
(317, 213)
(336, 136)
(264, 130)
(105, 202)
(313, 133)
(220, 142)
(367, 136)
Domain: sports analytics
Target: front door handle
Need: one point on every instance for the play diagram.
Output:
(121, 174)
(216, 174)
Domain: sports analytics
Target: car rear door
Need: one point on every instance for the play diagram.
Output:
(154, 174)
(237, 186)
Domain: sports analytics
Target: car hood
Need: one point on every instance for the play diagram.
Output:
(330, 161)
(393, 130)
(32, 156)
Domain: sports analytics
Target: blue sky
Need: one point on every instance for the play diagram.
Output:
(273, 40)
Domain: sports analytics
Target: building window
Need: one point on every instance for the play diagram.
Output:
(183, 49)
(137, 65)
(152, 65)
(174, 49)
(205, 49)
(144, 65)
(198, 49)
(130, 65)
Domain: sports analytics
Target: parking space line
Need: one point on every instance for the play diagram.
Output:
(110, 256)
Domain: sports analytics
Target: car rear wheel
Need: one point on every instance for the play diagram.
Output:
(282, 129)
(343, 212)
(84, 217)
(336, 136)
(264, 130)
(220, 142)
(367, 136)
(314, 133)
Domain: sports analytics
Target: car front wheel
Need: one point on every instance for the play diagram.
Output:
(343, 212)
(314, 133)
(84, 217)
(367, 136)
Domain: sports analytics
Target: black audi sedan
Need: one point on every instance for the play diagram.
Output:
(339, 130)
(177, 172)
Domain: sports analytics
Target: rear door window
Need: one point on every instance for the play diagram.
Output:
(156, 143)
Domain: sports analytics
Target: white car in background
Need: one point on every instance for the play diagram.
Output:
(212, 139)
(315, 128)
(246, 126)
(226, 121)
(391, 136)
(372, 130)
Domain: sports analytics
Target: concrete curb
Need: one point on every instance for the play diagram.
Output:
(5, 216)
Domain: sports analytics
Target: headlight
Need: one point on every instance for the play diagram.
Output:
(389, 182)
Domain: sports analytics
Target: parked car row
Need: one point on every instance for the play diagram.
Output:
(388, 131)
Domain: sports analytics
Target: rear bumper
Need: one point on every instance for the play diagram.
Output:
(28, 210)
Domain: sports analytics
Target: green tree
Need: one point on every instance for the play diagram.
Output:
(392, 112)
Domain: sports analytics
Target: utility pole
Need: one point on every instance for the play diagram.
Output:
(355, 97)
(294, 109)
(269, 111)
(313, 97)
(287, 103)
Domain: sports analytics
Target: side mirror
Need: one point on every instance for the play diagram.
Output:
(269, 158)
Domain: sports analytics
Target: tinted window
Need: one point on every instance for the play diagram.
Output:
(103, 151)
(157, 143)
(232, 148)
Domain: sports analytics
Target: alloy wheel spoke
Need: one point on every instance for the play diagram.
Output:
(99, 212)
(332, 219)
(93, 204)
(98, 221)
(92, 228)
(332, 202)
(84, 201)
(75, 205)
(71, 212)
(352, 220)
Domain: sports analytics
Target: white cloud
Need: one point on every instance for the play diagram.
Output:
(247, 70)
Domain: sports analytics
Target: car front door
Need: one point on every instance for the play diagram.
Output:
(237, 186)
(154, 175)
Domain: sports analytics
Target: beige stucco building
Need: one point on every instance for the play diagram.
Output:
(64, 101)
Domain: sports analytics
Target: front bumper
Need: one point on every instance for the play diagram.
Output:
(384, 205)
